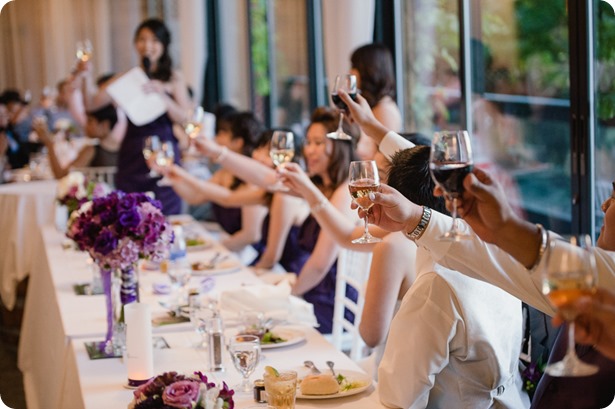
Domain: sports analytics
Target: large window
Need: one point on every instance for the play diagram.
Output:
(514, 96)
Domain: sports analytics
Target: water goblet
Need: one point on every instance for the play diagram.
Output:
(245, 352)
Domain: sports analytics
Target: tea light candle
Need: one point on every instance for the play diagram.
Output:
(139, 346)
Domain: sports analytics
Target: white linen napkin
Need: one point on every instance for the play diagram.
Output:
(275, 301)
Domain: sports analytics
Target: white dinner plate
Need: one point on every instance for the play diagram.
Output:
(224, 267)
(292, 337)
(204, 245)
(352, 376)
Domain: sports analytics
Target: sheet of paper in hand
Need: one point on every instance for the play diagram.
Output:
(140, 107)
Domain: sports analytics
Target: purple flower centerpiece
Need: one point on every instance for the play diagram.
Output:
(74, 189)
(171, 390)
(117, 230)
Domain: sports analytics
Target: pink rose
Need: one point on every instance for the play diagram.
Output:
(181, 394)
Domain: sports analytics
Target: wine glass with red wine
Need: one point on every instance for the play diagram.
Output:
(347, 83)
(363, 179)
(449, 163)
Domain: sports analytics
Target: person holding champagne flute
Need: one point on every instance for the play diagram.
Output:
(327, 162)
(152, 39)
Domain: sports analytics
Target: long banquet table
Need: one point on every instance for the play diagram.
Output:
(58, 373)
(23, 208)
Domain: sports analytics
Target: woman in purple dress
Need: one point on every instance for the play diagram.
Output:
(152, 39)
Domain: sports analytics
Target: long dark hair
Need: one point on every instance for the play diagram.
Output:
(343, 151)
(375, 65)
(164, 68)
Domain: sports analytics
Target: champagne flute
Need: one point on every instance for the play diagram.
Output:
(349, 84)
(84, 50)
(245, 351)
(282, 151)
(449, 163)
(364, 178)
(570, 273)
(165, 158)
(151, 146)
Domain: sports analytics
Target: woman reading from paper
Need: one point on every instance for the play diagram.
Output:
(151, 41)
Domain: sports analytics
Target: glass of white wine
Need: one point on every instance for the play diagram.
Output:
(165, 158)
(245, 351)
(363, 179)
(282, 151)
(570, 273)
(84, 50)
(193, 124)
(151, 146)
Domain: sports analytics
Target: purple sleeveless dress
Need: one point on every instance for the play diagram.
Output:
(322, 297)
(132, 171)
(293, 257)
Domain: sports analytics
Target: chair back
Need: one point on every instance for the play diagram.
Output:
(352, 269)
(104, 174)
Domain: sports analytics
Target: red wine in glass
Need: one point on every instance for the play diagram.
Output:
(339, 102)
(450, 176)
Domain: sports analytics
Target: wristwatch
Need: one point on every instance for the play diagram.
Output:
(420, 228)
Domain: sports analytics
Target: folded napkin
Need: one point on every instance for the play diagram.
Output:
(275, 301)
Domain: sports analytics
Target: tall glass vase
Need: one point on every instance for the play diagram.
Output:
(129, 292)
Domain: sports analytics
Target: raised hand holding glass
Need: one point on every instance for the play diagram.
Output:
(449, 163)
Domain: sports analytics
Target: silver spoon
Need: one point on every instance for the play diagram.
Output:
(311, 365)
(331, 364)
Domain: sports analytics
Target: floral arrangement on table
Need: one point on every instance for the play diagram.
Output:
(117, 230)
(171, 390)
(74, 190)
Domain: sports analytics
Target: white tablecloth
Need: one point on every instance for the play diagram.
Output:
(57, 372)
(23, 208)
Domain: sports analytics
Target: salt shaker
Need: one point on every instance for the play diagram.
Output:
(216, 342)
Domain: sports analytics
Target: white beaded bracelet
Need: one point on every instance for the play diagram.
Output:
(319, 206)
(220, 155)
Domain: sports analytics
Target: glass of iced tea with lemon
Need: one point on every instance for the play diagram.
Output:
(281, 388)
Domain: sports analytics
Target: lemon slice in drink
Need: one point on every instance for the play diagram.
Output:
(272, 371)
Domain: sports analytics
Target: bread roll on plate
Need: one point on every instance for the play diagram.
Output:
(321, 384)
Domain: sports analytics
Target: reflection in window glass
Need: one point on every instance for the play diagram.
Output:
(291, 100)
(431, 61)
(520, 93)
(604, 74)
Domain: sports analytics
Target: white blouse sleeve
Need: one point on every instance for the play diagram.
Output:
(393, 142)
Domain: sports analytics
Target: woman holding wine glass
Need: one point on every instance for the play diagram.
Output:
(372, 64)
(152, 39)
(327, 162)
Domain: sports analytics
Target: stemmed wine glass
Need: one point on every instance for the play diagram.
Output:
(151, 146)
(570, 273)
(84, 50)
(364, 178)
(449, 163)
(193, 124)
(349, 84)
(164, 159)
(245, 351)
(200, 315)
(282, 151)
